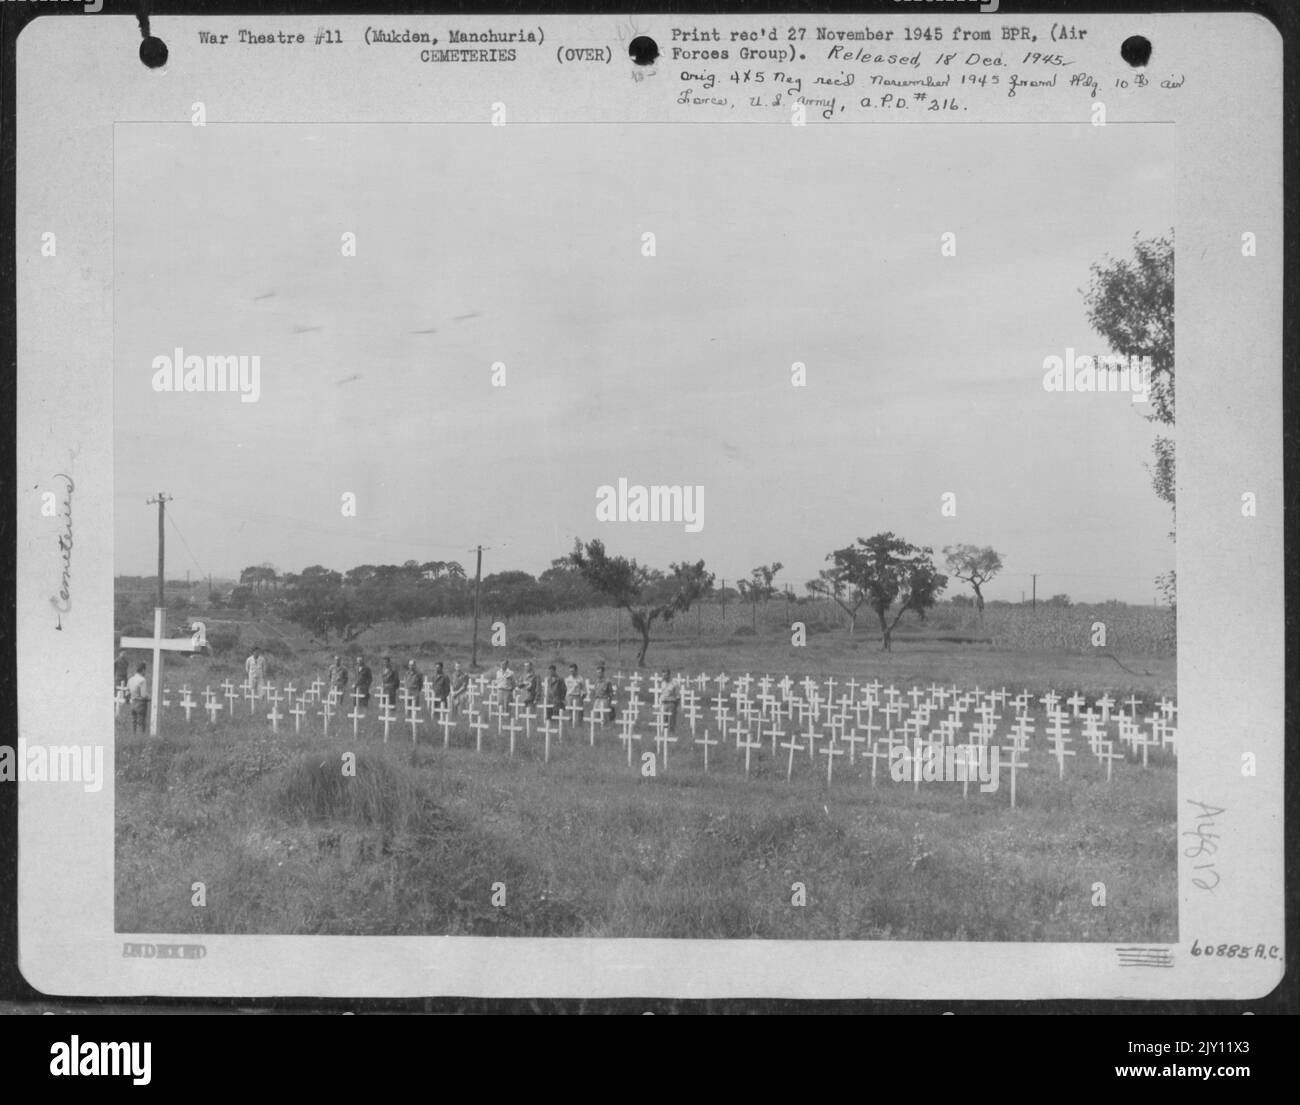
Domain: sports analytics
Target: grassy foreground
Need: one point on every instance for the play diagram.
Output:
(414, 843)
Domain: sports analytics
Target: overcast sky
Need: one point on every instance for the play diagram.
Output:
(522, 245)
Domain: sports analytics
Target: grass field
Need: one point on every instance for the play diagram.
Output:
(586, 846)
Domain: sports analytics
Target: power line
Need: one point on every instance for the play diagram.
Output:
(172, 519)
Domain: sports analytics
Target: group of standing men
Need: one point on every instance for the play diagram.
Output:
(552, 693)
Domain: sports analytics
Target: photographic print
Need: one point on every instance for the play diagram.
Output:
(818, 539)
(676, 505)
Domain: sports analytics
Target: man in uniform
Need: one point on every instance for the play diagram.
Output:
(459, 686)
(390, 681)
(530, 686)
(552, 694)
(414, 681)
(602, 695)
(575, 691)
(338, 678)
(137, 693)
(364, 678)
(670, 697)
(255, 667)
(441, 688)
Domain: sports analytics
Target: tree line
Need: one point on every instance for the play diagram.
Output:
(884, 575)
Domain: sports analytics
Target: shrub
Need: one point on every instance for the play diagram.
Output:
(316, 790)
(222, 642)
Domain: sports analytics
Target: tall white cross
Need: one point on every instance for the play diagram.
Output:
(793, 746)
(698, 740)
(160, 644)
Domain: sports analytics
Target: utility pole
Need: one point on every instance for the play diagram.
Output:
(162, 501)
(1033, 605)
(478, 577)
(723, 596)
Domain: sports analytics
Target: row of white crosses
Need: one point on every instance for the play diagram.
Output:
(755, 711)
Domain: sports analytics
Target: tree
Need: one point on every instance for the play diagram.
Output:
(889, 572)
(647, 594)
(1131, 305)
(1059, 600)
(834, 583)
(974, 565)
(758, 588)
(318, 601)
(259, 576)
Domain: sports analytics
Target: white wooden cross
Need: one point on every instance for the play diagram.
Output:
(513, 729)
(1108, 755)
(1021, 731)
(627, 736)
(327, 712)
(478, 725)
(548, 731)
(413, 718)
(707, 745)
(356, 715)
(1013, 762)
(187, 703)
(813, 737)
(228, 690)
(775, 732)
(1059, 750)
(212, 705)
(853, 738)
(830, 752)
(968, 761)
(793, 746)
(1105, 703)
(159, 644)
(1092, 729)
(691, 709)
(1075, 701)
(915, 694)
(748, 745)
(274, 716)
(250, 693)
(387, 714)
(299, 711)
(662, 741)
(875, 754)
(447, 724)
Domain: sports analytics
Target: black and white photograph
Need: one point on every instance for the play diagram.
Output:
(619, 549)
(688, 505)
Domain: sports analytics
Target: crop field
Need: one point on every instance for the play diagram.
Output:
(445, 831)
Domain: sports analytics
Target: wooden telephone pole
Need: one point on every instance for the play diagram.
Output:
(478, 577)
(158, 643)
